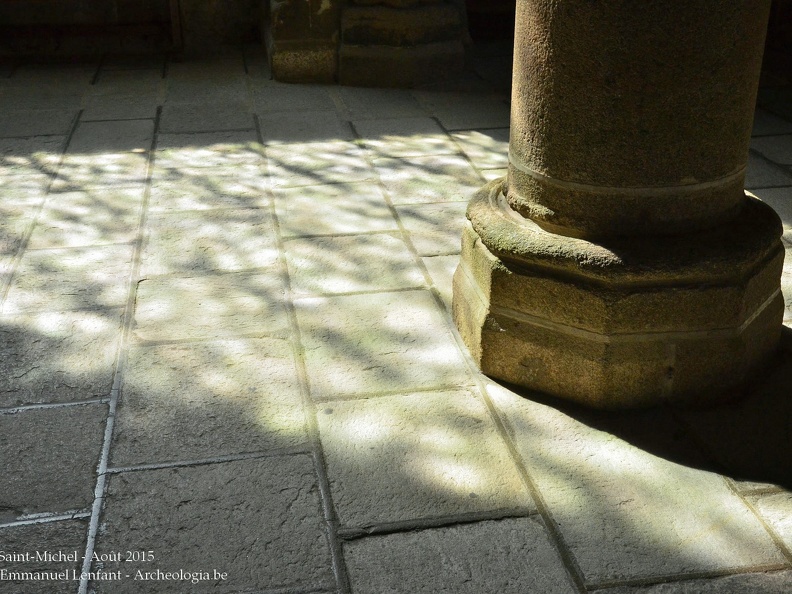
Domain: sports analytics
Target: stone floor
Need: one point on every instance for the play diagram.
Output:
(227, 362)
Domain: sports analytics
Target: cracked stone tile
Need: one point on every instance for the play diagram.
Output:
(625, 513)
(220, 306)
(262, 518)
(317, 164)
(416, 456)
(435, 229)
(88, 217)
(323, 265)
(74, 278)
(202, 400)
(48, 459)
(405, 137)
(57, 357)
(439, 178)
(68, 537)
(508, 556)
(333, 209)
(360, 344)
(209, 240)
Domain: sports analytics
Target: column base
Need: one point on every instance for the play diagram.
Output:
(622, 323)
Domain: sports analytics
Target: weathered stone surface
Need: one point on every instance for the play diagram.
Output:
(273, 96)
(366, 344)
(465, 111)
(262, 517)
(775, 148)
(761, 174)
(390, 66)
(776, 510)
(208, 149)
(405, 137)
(57, 357)
(380, 25)
(93, 216)
(29, 159)
(200, 188)
(372, 262)
(367, 103)
(509, 556)
(603, 323)
(220, 306)
(198, 401)
(304, 61)
(77, 278)
(625, 513)
(441, 269)
(333, 209)
(209, 240)
(304, 127)
(67, 537)
(317, 163)
(437, 178)
(120, 107)
(416, 456)
(435, 229)
(41, 122)
(112, 137)
(202, 118)
(48, 459)
(777, 582)
(487, 149)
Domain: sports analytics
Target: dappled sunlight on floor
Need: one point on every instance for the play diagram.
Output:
(225, 335)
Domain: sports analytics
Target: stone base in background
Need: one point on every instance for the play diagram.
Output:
(636, 322)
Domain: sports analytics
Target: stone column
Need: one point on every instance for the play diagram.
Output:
(621, 264)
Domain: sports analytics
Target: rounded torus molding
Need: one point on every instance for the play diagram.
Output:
(623, 323)
(632, 118)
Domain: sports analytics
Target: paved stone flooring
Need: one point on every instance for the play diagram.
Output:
(227, 362)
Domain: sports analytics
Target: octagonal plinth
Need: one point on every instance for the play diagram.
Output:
(627, 323)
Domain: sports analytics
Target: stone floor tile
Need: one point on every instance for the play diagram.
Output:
(67, 537)
(404, 137)
(465, 111)
(221, 306)
(768, 124)
(206, 118)
(37, 122)
(120, 136)
(317, 163)
(74, 278)
(491, 174)
(781, 201)
(333, 208)
(624, 512)
(202, 90)
(109, 170)
(22, 158)
(441, 178)
(374, 262)
(509, 556)
(142, 61)
(271, 96)
(57, 357)
(762, 174)
(202, 400)
(209, 240)
(435, 229)
(21, 97)
(486, 149)
(89, 217)
(201, 188)
(776, 510)
(128, 82)
(208, 149)
(258, 521)
(776, 148)
(221, 66)
(359, 344)
(14, 223)
(300, 127)
(441, 269)
(416, 456)
(777, 582)
(48, 459)
(365, 103)
(25, 192)
(120, 107)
